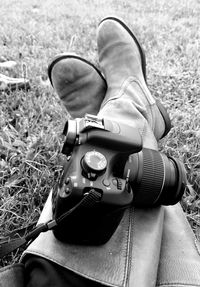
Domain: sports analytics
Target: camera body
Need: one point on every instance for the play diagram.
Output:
(107, 157)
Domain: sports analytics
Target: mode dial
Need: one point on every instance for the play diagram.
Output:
(94, 163)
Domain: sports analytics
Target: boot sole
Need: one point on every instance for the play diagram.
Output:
(160, 106)
(71, 56)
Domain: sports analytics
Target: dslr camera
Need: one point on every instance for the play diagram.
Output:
(105, 171)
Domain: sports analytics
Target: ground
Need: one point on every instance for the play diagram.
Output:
(32, 33)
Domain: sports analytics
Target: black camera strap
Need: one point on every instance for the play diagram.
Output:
(9, 245)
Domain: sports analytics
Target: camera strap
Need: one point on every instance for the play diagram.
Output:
(8, 245)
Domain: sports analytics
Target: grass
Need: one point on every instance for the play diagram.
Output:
(32, 33)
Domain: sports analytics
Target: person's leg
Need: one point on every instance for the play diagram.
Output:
(129, 101)
(137, 238)
(179, 263)
(40, 272)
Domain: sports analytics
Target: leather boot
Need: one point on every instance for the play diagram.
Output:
(78, 83)
(123, 64)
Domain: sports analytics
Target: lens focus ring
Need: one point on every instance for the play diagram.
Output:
(150, 178)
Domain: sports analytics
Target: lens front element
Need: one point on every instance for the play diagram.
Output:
(155, 179)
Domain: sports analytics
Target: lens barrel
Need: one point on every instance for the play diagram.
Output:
(155, 179)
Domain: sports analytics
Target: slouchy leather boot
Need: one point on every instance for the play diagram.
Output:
(122, 61)
(78, 83)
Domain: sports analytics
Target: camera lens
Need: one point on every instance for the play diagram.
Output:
(155, 179)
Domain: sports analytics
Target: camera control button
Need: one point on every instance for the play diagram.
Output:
(106, 182)
(114, 181)
(117, 182)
